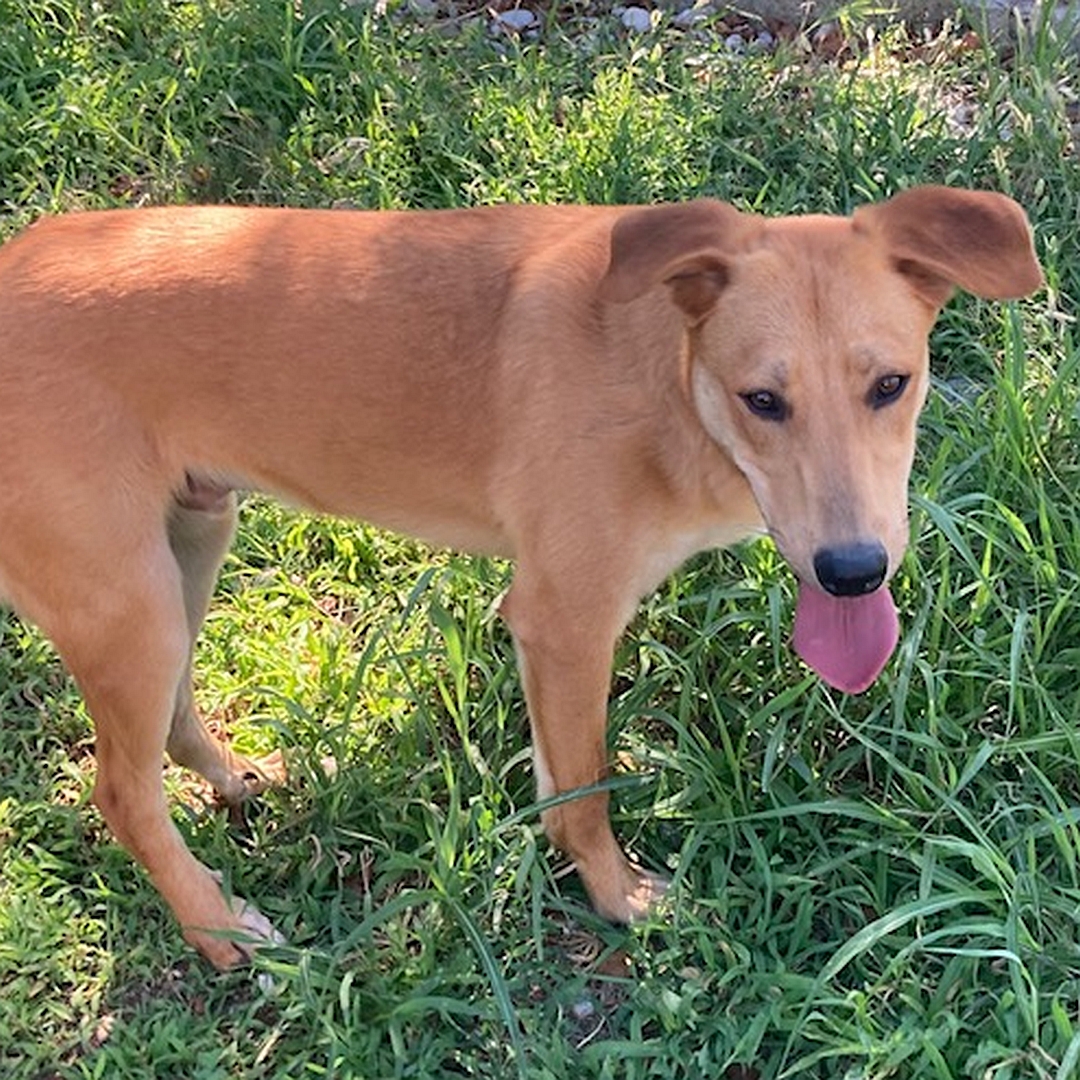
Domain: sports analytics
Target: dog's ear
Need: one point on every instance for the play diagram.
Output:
(943, 237)
(686, 245)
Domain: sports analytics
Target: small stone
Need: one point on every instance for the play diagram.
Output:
(583, 1009)
(691, 16)
(515, 20)
(636, 19)
(734, 43)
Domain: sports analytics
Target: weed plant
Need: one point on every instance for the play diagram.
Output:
(865, 887)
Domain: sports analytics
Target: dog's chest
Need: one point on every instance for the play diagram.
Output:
(678, 546)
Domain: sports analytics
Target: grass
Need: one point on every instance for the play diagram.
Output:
(871, 887)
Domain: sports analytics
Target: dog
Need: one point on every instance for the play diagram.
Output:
(594, 392)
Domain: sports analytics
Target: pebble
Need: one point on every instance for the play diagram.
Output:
(583, 1009)
(691, 16)
(637, 19)
(516, 20)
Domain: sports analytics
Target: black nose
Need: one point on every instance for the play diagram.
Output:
(851, 569)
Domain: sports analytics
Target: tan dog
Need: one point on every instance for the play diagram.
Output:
(596, 392)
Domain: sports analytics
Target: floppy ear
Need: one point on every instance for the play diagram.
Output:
(687, 245)
(942, 237)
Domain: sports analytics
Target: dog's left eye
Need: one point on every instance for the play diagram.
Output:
(766, 405)
(887, 390)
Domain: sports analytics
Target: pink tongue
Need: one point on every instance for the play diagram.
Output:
(846, 640)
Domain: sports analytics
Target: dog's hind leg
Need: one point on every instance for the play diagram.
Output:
(201, 526)
(115, 610)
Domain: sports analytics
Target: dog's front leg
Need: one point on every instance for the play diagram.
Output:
(565, 637)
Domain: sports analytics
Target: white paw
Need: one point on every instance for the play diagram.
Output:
(254, 925)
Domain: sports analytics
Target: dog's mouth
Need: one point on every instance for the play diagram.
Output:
(847, 640)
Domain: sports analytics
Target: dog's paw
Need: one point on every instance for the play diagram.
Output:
(256, 929)
(629, 896)
(262, 932)
(255, 775)
(647, 893)
(230, 936)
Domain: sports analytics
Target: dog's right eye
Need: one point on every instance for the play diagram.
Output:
(766, 404)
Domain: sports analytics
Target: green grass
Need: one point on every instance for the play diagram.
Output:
(872, 887)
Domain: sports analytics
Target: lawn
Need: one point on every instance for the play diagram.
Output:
(865, 887)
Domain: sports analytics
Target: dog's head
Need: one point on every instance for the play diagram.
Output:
(807, 363)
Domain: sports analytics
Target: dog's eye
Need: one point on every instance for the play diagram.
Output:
(766, 404)
(887, 390)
